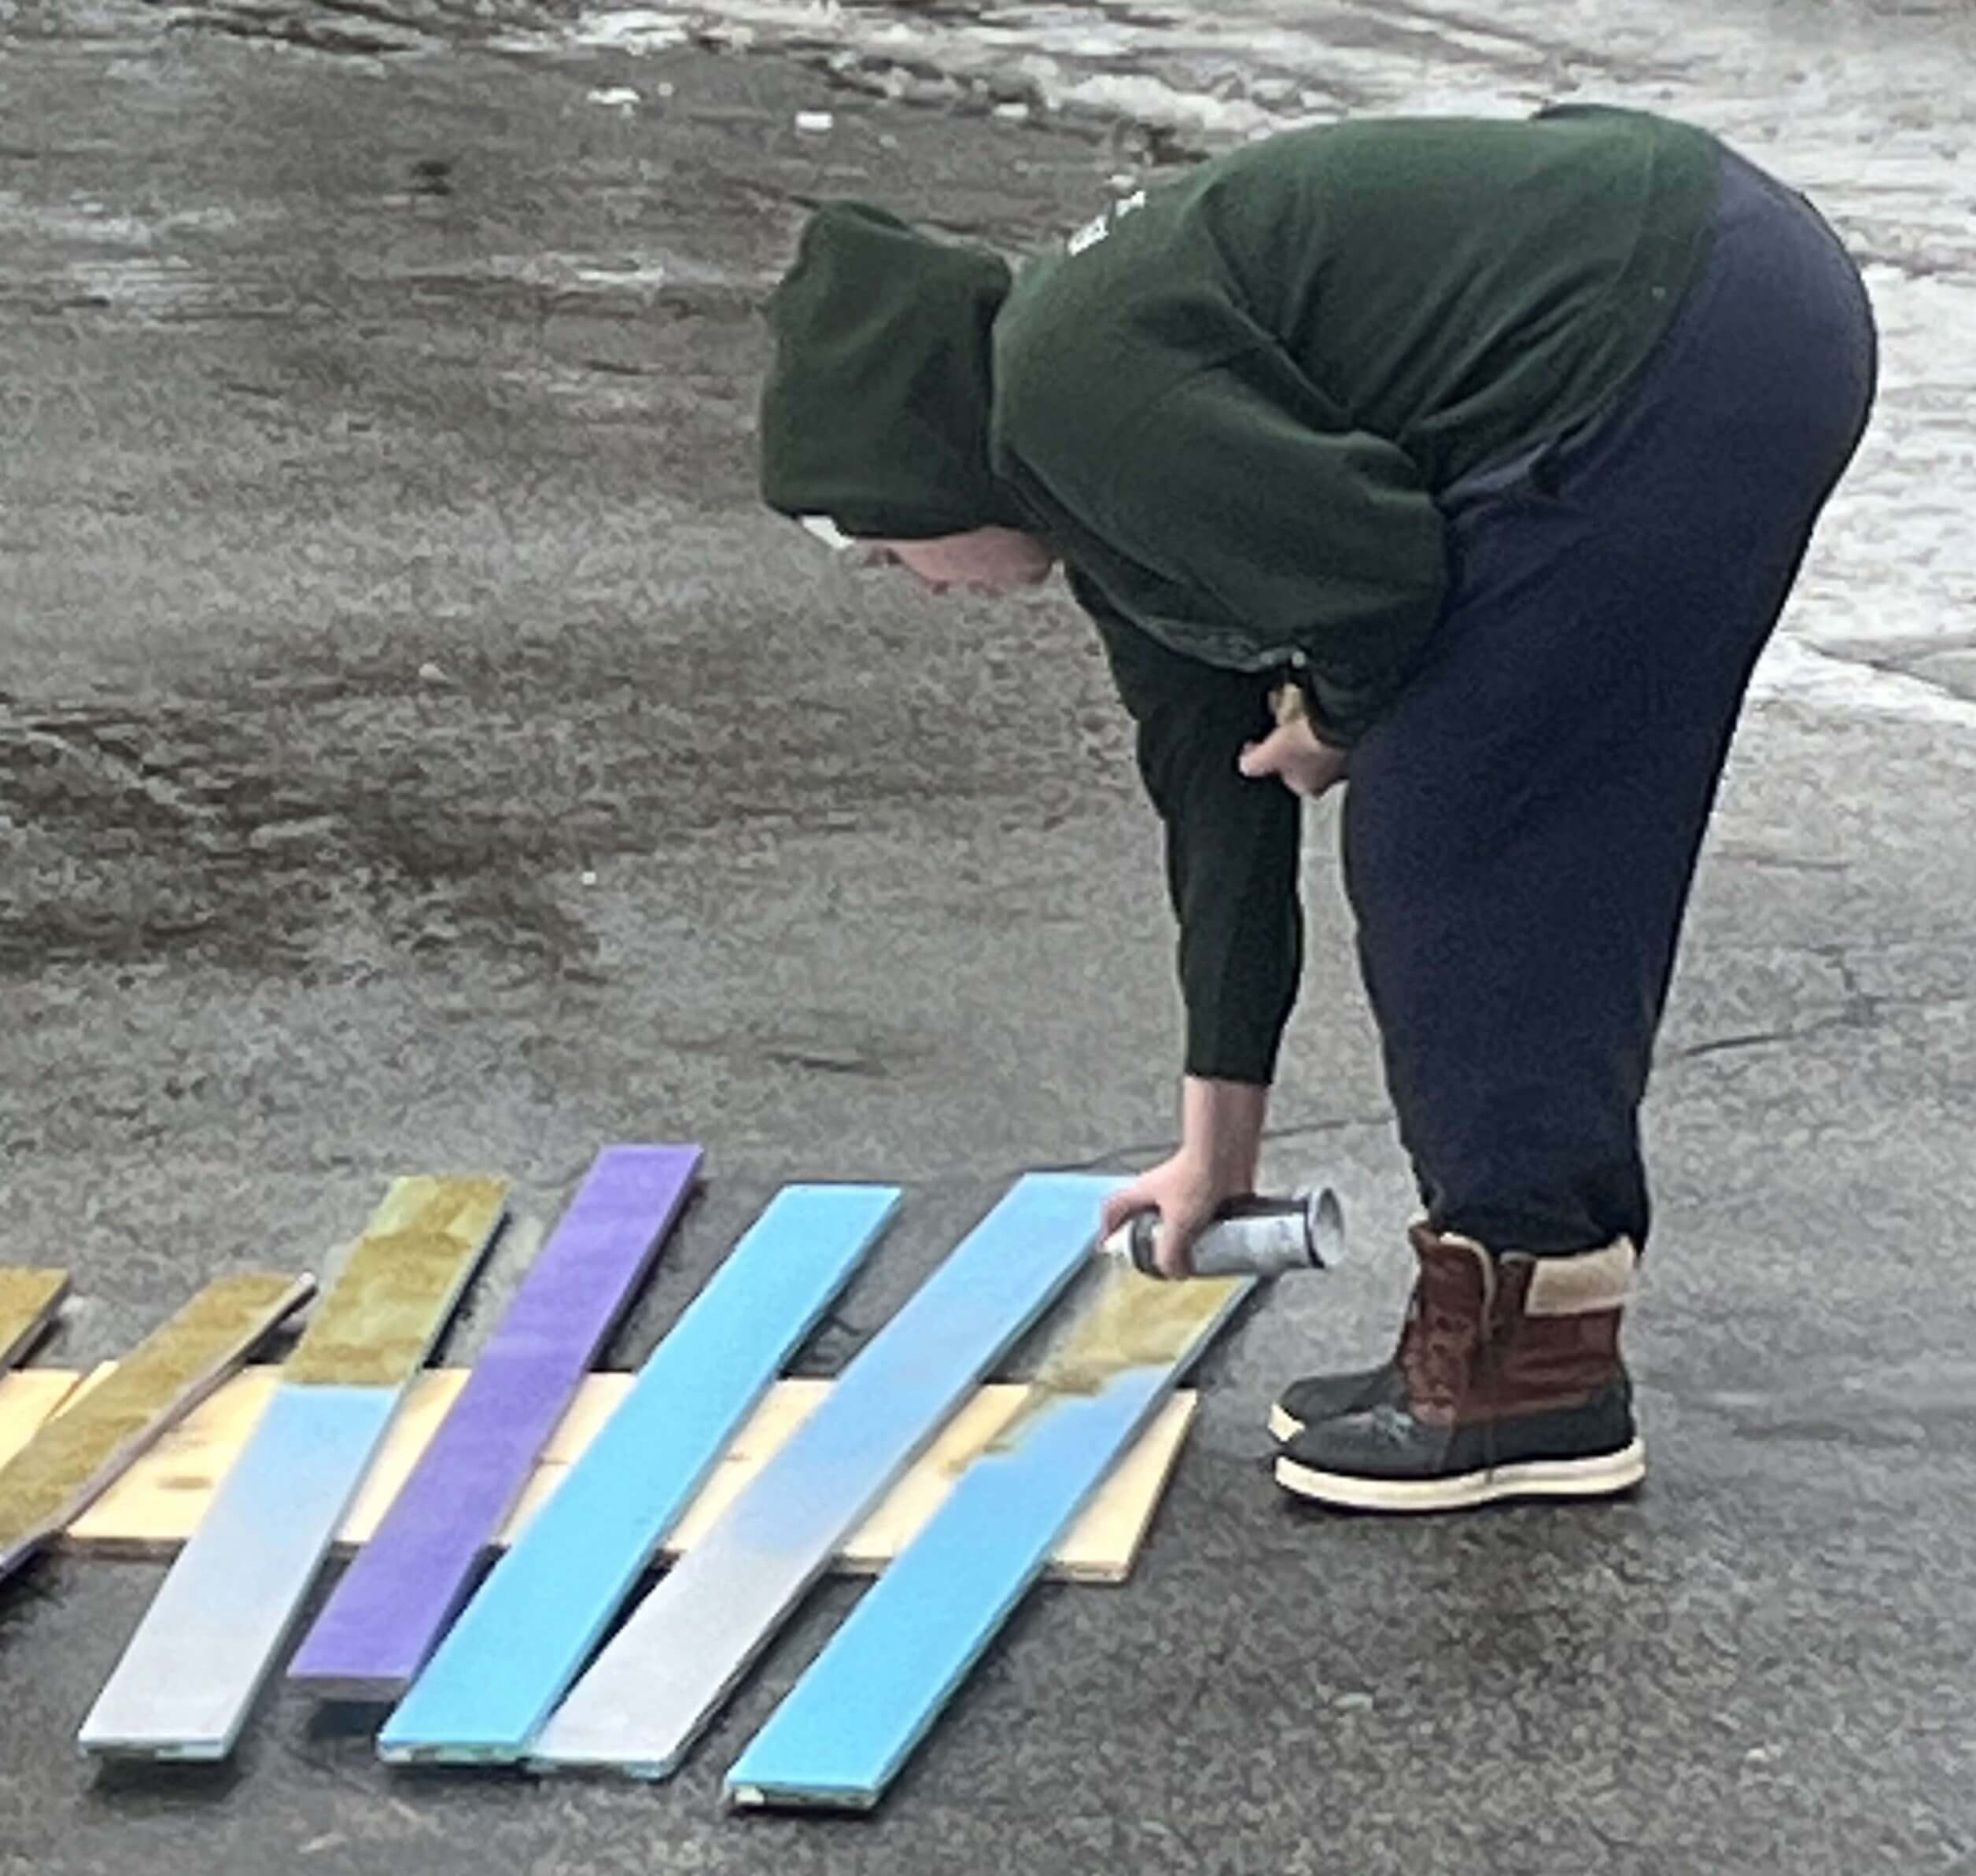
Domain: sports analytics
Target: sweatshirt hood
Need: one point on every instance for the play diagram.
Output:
(876, 406)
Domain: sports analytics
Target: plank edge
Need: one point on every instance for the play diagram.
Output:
(37, 1325)
(758, 1797)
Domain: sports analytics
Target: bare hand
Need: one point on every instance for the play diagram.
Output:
(1292, 753)
(1185, 1192)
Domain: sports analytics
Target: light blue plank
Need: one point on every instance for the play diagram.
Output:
(667, 1671)
(867, 1700)
(188, 1679)
(521, 1640)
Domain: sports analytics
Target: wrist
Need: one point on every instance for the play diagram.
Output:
(1220, 1131)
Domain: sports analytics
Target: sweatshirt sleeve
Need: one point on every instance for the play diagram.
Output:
(1231, 847)
(1319, 542)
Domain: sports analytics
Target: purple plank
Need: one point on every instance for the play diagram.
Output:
(407, 1584)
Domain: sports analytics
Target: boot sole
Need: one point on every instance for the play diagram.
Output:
(1284, 1426)
(1600, 1476)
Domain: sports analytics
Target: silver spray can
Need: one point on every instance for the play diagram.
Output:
(1249, 1237)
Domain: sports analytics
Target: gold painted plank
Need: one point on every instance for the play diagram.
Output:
(157, 1505)
(75, 1454)
(382, 1315)
(28, 1300)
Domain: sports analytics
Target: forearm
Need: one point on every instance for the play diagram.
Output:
(1221, 1128)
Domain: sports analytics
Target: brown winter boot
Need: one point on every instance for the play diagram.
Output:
(1508, 1383)
(1326, 1396)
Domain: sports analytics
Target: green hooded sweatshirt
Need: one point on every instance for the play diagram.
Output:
(1232, 405)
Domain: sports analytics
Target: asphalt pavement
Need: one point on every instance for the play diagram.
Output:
(417, 751)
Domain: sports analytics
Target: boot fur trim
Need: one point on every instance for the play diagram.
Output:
(1583, 1284)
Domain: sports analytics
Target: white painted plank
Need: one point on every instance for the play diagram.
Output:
(187, 1682)
(521, 1640)
(667, 1671)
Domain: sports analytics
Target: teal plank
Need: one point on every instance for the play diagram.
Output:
(850, 1722)
(662, 1678)
(521, 1640)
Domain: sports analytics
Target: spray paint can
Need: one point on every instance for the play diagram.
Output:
(1249, 1237)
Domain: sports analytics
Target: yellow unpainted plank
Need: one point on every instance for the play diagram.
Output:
(28, 1397)
(155, 1505)
(1105, 1542)
(73, 1456)
(380, 1316)
(1100, 1547)
(28, 1300)
(158, 1503)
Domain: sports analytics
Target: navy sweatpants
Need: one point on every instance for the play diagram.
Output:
(1522, 829)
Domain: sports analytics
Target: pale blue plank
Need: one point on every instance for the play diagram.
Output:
(396, 1600)
(184, 1685)
(842, 1733)
(667, 1671)
(187, 1680)
(521, 1640)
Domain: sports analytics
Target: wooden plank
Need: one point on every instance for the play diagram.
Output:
(28, 1397)
(393, 1603)
(1099, 1548)
(155, 1506)
(524, 1637)
(840, 1737)
(186, 1683)
(74, 1457)
(669, 1669)
(379, 1321)
(28, 1301)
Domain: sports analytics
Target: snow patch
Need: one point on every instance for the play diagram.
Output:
(1791, 671)
(1873, 116)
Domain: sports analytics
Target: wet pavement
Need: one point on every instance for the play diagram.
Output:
(415, 751)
